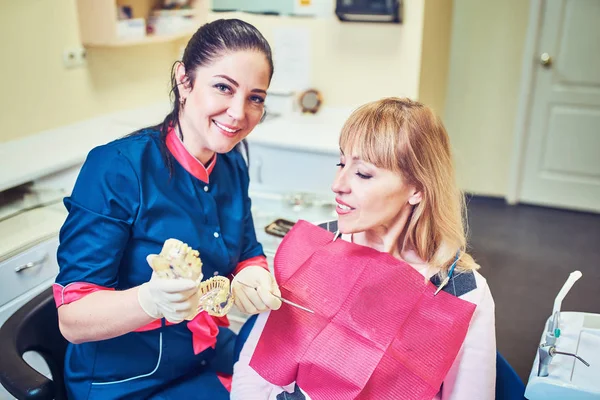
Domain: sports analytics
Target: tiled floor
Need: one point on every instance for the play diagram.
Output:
(526, 254)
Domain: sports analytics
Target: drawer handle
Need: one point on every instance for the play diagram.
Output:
(31, 264)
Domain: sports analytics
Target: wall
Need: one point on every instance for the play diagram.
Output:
(485, 66)
(39, 93)
(351, 63)
(435, 54)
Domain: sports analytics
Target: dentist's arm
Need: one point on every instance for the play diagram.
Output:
(106, 314)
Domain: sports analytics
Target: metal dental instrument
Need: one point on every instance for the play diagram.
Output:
(450, 272)
(337, 235)
(291, 303)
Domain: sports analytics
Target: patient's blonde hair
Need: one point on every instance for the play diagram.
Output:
(406, 136)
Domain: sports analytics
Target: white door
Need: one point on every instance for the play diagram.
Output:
(562, 154)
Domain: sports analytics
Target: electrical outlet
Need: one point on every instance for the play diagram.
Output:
(74, 57)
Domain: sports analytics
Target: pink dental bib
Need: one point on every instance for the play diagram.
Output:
(378, 332)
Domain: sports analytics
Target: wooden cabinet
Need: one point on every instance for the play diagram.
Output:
(99, 23)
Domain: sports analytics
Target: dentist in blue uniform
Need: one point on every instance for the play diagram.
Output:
(183, 179)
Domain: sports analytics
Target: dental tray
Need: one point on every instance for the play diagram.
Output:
(568, 378)
(280, 227)
(567, 364)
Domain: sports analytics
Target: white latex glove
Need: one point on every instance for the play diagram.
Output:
(256, 294)
(173, 299)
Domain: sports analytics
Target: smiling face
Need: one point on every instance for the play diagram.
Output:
(370, 198)
(225, 102)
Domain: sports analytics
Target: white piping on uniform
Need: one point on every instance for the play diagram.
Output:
(139, 376)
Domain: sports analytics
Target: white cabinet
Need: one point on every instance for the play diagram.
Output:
(28, 247)
(27, 270)
(283, 170)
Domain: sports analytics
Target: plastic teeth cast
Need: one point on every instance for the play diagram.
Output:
(178, 260)
(215, 296)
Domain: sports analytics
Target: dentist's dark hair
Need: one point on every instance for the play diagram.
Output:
(210, 42)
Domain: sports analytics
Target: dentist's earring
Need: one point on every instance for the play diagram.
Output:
(182, 102)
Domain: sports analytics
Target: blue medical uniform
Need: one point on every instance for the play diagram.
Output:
(124, 205)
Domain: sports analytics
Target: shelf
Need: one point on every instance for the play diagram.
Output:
(142, 41)
(98, 25)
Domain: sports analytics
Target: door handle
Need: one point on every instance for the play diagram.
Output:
(31, 264)
(546, 60)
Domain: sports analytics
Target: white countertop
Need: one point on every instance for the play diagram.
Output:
(32, 157)
(29, 228)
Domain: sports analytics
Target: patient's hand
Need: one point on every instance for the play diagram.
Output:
(253, 289)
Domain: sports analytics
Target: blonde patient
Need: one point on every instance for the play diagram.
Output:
(396, 192)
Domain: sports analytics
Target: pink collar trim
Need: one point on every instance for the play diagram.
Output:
(188, 161)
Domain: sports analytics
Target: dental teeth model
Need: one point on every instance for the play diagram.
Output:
(215, 296)
(178, 260)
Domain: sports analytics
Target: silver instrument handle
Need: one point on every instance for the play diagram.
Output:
(553, 351)
(31, 264)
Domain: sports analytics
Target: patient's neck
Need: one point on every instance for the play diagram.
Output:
(388, 239)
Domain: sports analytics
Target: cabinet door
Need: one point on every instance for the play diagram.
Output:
(283, 170)
(28, 270)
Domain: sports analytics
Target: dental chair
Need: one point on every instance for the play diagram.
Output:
(33, 327)
(509, 385)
